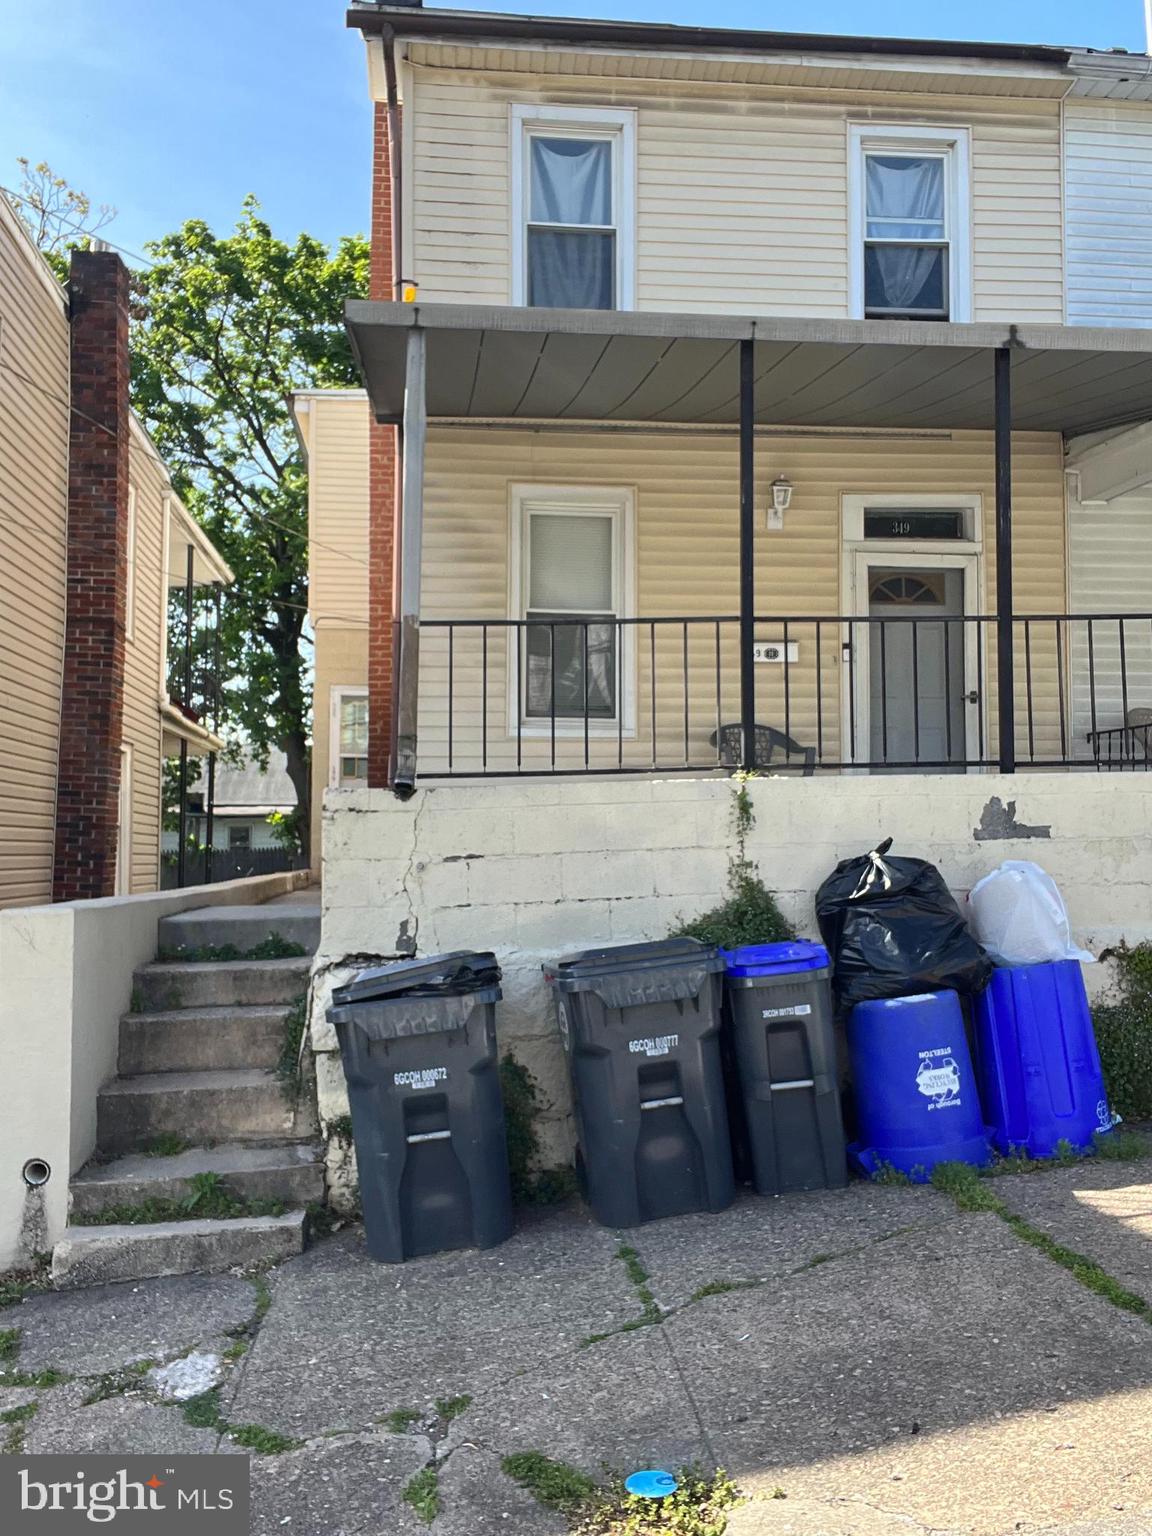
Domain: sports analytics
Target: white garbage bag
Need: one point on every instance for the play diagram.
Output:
(1018, 915)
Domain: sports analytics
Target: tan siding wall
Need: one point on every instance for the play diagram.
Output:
(336, 430)
(686, 494)
(33, 564)
(142, 663)
(742, 198)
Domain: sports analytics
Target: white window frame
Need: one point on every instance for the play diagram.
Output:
(619, 502)
(337, 693)
(130, 562)
(618, 126)
(124, 823)
(954, 144)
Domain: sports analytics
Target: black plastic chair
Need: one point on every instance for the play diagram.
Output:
(767, 743)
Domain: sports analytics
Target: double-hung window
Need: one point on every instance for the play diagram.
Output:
(910, 237)
(349, 739)
(573, 566)
(572, 178)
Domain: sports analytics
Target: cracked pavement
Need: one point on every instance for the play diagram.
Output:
(862, 1362)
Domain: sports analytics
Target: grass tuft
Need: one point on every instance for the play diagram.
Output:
(16, 1422)
(9, 1345)
(168, 1144)
(450, 1408)
(423, 1494)
(208, 1196)
(400, 1420)
(699, 1507)
(554, 1484)
(288, 1063)
(265, 1442)
(203, 1411)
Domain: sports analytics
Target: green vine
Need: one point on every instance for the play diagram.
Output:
(1124, 1033)
(749, 914)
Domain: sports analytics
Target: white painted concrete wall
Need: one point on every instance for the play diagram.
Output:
(535, 870)
(65, 980)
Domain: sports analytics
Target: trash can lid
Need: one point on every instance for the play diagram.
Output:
(776, 959)
(450, 975)
(657, 954)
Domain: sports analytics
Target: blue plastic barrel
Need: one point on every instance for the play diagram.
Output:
(1039, 1068)
(916, 1096)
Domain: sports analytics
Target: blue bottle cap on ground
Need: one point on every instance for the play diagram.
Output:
(651, 1484)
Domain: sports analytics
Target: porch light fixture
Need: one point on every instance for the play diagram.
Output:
(781, 489)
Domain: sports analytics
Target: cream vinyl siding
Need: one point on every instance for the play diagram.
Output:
(33, 560)
(1108, 152)
(143, 660)
(335, 428)
(686, 557)
(742, 196)
(1110, 571)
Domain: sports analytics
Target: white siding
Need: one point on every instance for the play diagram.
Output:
(742, 198)
(1110, 571)
(1108, 153)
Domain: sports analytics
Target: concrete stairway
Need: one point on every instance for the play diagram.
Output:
(198, 1086)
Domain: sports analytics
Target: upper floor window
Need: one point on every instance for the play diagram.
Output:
(909, 228)
(572, 178)
(348, 744)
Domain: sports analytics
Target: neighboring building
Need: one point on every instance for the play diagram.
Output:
(93, 540)
(246, 795)
(597, 219)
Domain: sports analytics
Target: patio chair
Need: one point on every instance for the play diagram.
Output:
(767, 743)
(1133, 740)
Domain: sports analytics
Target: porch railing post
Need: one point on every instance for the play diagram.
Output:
(411, 519)
(1005, 679)
(210, 804)
(747, 552)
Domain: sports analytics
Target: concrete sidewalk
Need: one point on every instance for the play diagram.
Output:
(868, 1362)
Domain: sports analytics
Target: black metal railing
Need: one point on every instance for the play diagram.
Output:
(904, 691)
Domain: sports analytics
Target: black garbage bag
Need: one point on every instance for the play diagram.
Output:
(892, 928)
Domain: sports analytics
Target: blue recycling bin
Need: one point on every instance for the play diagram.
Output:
(1037, 1061)
(916, 1097)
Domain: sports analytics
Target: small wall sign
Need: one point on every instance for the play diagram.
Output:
(773, 650)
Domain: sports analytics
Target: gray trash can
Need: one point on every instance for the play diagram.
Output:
(418, 1040)
(641, 1026)
(779, 1011)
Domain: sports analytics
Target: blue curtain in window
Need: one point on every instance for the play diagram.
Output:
(571, 184)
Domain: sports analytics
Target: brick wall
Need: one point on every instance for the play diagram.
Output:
(91, 715)
(382, 483)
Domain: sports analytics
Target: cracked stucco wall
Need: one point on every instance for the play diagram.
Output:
(538, 869)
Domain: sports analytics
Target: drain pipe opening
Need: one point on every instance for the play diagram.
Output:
(36, 1172)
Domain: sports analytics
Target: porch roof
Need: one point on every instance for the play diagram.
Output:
(505, 362)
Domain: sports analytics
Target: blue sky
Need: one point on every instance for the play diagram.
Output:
(171, 109)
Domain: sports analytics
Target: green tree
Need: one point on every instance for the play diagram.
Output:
(60, 217)
(231, 326)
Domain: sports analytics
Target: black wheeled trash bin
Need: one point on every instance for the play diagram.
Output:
(779, 1011)
(641, 1026)
(418, 1040)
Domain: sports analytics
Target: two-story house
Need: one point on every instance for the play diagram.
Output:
(732, 399)
(96, 549)
(588, 228)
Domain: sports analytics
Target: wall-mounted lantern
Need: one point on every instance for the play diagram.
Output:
(781, 500)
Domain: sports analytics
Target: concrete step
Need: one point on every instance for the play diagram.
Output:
(292, 1174)
(243, 927)
(165, 985)
(201, 1039)
(97, 1255)
(198, 1107)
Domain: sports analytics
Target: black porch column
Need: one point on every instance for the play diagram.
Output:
(747, 552)
(1005, 679)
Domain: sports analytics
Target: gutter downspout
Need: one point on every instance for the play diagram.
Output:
(392, 107)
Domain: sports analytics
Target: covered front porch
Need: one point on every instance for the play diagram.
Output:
(636, 543)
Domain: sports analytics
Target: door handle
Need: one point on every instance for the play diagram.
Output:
(973, 697)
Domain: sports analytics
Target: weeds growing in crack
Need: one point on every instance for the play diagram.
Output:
(400, 1420)
(15, 1421)
(203, 1412)
(423, 1494)
(117, 1383)
(449, 1408)
(19, 1283)
(699, 1507)
(554, 1484)
(971, 1193)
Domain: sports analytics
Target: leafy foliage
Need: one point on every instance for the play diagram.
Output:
(1124, 1034)
(232, 326)
(423, 1494)
(699, 1507)
(530, 1185)
(59, 216)
(750, 914)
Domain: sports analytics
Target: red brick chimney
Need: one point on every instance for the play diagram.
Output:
(92, 707)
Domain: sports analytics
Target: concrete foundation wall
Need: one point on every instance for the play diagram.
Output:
(65, 980)
(535, 870)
